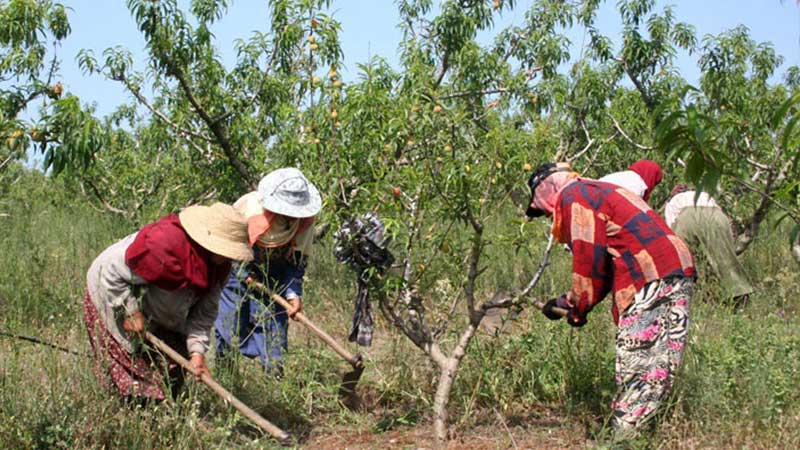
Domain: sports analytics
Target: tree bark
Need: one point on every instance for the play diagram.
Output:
(447, 376)
(217, 127)
(796, 248)
(442, 398)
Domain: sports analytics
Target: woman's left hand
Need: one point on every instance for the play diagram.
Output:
(297, 307)
(199, 364)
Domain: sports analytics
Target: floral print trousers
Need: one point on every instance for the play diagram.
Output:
(650, 341)
(139, 375)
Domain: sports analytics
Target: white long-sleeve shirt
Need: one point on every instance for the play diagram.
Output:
(627, 179)
(679, 201)
(111, 286)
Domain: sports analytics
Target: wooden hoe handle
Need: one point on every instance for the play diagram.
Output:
(302, 318)
(560, 311)
(265, 425)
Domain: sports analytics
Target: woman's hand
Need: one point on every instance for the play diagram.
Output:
(134, 323)
(198, 362)
(297, 307)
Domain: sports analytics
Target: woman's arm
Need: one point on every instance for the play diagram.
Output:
(293, 282)
(115, 281)
(200, 320)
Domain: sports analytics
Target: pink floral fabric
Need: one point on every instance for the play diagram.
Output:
(131, 375)
(650, 341)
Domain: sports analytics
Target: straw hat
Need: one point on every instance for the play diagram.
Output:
(219, 229)
(249, 205)
(288, 192)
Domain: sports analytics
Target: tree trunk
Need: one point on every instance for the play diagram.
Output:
(796, 247)
(446, 378)
(753, 225)
(449, 370)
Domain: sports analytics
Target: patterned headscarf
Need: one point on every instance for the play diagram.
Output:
(547, 192)
(545, 184)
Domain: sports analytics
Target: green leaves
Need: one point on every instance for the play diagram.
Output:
(27, 29)
(209, 11)
(73, 134)
(737, 132)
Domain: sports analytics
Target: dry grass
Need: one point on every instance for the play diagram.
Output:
(539, 385)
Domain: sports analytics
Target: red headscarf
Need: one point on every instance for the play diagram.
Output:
(651, 174)
(164, 255)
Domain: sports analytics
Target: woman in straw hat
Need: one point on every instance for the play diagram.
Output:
(279, 215)
(165, 278)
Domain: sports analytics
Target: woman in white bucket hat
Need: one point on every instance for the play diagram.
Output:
(280, 217)
(165, 278)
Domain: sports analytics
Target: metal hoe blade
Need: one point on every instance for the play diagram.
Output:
(347, 390)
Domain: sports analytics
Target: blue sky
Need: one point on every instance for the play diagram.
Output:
(369, 27)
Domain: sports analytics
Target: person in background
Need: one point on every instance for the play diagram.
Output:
(280, 217)
(640, 178)
(621, 246)
(165, 278)
(699, 221)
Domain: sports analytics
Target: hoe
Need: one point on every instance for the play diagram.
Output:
(347, 390)
(282, 436)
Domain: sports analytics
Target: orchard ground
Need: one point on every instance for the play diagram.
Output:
(536, 384)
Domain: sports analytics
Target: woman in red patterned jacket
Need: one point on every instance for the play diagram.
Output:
(620, 245)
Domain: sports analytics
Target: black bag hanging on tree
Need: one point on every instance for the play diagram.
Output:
(361, 243)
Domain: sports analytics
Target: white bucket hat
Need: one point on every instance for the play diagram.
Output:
(288, 192)
(219, 229)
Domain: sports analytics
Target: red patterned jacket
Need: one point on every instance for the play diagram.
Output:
(618, 244)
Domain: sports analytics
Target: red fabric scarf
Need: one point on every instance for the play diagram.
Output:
(260, 223)
(163, 254)
(651, 174)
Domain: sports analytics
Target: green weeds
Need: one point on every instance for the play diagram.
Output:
(738, 387)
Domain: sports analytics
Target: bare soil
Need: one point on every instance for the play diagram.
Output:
(543, 429)
(421, 437)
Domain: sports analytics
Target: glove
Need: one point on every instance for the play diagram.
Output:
(575, 321)
(548, 312)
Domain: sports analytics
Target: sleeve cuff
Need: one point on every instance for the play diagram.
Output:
(131, 307)
(293, 290)
(196, 347)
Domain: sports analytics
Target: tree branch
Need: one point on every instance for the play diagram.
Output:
(9, 158)
(181, 131)
(217, 128)
(103, 201)
(473, 272)
(473, 93)
(589, 143)
(517, 299)
(625, 135)
(767, 200)
(443, 71)
(648, 101)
